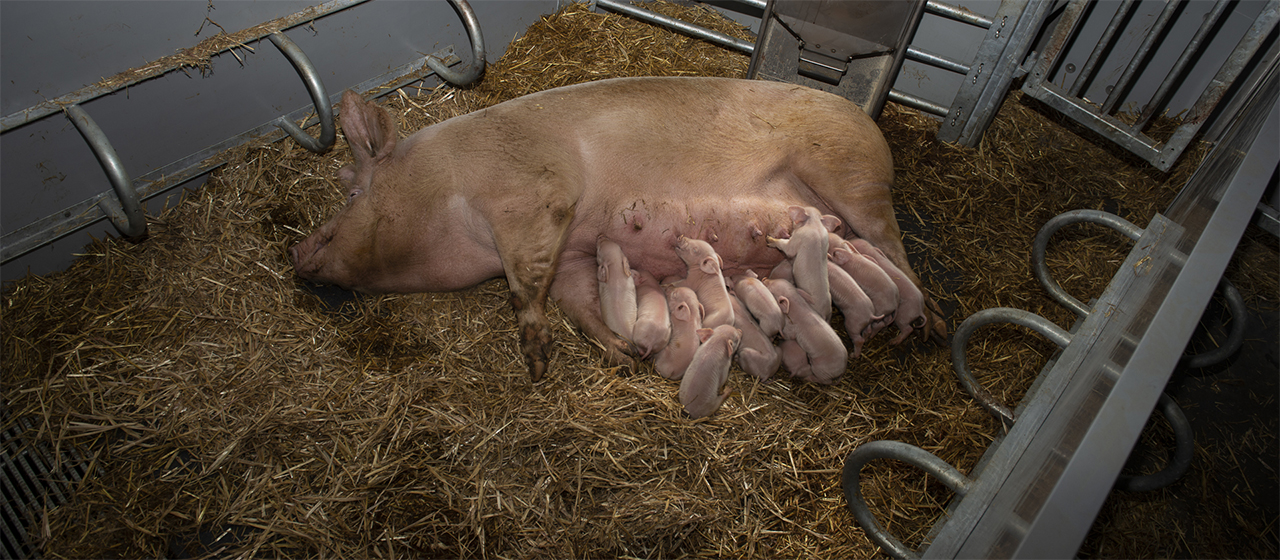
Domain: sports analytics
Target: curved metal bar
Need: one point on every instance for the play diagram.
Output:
(960, 362)
(1041, 244)
(477, 49)
(1185, 447)
(850, 480)
(319, 97)
(126, 214)
(1239, 313)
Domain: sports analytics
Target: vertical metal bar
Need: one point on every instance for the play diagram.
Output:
(1175, 74)
(1121, 87)
(1104, 43)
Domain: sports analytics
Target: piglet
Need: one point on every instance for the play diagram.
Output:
(756, 353)
(706, 280)
(854, 304)
(686, 319)
(757, 300)
(617, 289)
(910, 314)
(807, 250)
(652, 328)
(873, 280)
(704, 386)
(826, 357)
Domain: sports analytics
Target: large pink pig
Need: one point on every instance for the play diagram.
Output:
(910, 314)
(701, 387)
(522, 189)
(807, 249)
(686, 319)
(617, 289)
(652, 328)
(704, 277)
(825, 356)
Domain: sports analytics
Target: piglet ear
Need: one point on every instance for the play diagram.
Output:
(710, 264)
(371, 131)
(785, 304)
(681, 312)
(797, 213)
(704, 334)
(832, 223)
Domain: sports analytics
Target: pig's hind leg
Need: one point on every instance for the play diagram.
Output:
(576, 291)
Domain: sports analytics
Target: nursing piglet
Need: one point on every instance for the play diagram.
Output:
(758, 301)
(706, 280)
(705, 384)
(757, 354)
(854, 304)
(873, 280)
(807, 249)
(686, 319)
(617, 289)
(826, 356)
(652, 329)
(910, 314)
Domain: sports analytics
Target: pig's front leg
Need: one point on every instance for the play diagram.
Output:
(530, 232)
(576, 291)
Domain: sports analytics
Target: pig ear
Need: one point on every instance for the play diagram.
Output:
(797, 214)
(832, 223)
(371, 131)
(681, 312)
(704, 334)
(710, 264)
(841, 255)
(784, 303)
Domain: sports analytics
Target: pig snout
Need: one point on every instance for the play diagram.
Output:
(306, 256)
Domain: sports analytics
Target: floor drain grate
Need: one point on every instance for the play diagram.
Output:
(31, 478)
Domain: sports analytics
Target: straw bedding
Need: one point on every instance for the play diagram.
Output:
(232, 410)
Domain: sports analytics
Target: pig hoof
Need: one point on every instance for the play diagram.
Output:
(536, 346)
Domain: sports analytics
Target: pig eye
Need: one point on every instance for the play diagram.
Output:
(353, 193)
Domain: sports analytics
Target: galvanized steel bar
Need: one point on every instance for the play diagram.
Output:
(850, 480)
(162, 67)
(1121, 87)
(1104, 43)
(956, 13)
(1184, 448)
(960, 361)
(1191, 51)
(473, 72)
(936, 60)
(319, 98)
(1041, 243)
(919, 103)
(677, 25)
(125, 210)
(1235, 338)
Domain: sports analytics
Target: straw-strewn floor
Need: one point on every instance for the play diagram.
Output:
(225, 401)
